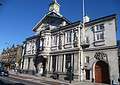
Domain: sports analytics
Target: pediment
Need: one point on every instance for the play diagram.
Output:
(51, 18)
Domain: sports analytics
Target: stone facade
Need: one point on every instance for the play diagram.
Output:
(60, 45)
(11, 57)
(29, 51)
(118, 43)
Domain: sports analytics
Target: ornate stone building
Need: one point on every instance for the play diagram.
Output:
(11, 57)
(29, 53)
(90, 51)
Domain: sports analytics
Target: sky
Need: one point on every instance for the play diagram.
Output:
(18, 17)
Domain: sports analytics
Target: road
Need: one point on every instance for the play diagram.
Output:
(15, 81)
(22, 81)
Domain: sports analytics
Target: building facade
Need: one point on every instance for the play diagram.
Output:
(89, 50)
(11, 57)
(29, 53)
(118, 43)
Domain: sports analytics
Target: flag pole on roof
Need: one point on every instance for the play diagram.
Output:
(85, 40)
(83, 16)
(83, 12)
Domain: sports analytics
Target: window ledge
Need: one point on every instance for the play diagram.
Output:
(99, 43)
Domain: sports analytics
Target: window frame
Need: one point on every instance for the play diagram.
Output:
(98, 33)
(68, 37)
(54, 40)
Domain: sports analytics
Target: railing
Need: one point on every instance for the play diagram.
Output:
(85, 43)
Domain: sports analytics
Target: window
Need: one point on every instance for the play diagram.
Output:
(41, 44)
(75, 35)
(87, 74)
(99, 27)
(28, 48)
(99, 32)
(54, 40)
(60, 42)
(87, 39)
(99, 36)
(33, 49)
(68, 38)
(87, 59)
(68, 60)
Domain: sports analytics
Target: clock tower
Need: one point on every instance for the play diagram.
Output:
(54, 7)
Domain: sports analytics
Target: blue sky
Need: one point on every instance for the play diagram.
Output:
(18, 17)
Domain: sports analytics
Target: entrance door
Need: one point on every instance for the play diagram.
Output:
(54, 63)
(102, 72)
(44, 61)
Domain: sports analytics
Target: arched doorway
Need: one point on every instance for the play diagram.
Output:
(102, 72)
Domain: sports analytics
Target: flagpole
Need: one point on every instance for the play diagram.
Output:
(83, 42)
(83, 16)
(83, 11)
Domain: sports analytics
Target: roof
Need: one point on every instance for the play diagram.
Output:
(50, 14)
(92, 22)
(98, 20)
(32, 37)
(68, 26)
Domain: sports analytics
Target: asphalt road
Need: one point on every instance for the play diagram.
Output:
(15, 81)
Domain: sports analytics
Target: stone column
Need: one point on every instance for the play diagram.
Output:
(57, 60)
(64, 69)
(60, 63)
(72, 36)
(28, 64)
(47, 63)
(51, 64)
(25, 64)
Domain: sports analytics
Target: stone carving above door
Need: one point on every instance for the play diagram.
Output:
(100, 56)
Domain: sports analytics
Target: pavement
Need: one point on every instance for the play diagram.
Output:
(45, 80)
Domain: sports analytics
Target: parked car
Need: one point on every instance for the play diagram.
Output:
(4, 72)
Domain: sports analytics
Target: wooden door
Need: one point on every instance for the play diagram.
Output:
(102, 72)
(98, 74)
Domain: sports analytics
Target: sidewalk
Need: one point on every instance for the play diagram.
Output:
(46, 80)
(35, 79)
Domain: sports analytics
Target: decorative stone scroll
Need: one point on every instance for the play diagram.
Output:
(100, 56)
